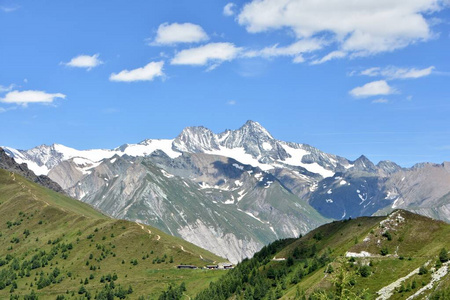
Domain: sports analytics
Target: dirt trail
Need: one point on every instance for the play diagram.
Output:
(143, 228)
(25, 189)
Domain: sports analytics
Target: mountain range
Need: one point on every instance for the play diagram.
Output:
(233, 192)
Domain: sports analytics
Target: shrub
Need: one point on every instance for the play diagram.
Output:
(388, 235)
(423, 270)
(365, 271)
(443, 255)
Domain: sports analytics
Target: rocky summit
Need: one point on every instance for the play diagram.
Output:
(235, 191)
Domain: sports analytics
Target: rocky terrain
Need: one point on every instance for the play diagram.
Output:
(235, 191)
(8, 163)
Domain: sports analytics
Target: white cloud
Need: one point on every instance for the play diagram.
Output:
(231, 102)
(2, 110)
(357, 27)
(330, 56)
(25, 97)
(393, 72)
(6, 88)
(213, 53)
(296, 49)
(146, 73)
(84, 61)
(171, 34)
(8, 9)
(380, 101)
(374, 88)
(228, 10)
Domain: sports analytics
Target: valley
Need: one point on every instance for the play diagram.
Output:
(234, 192)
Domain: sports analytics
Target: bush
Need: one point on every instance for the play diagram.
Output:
(384, 251)
(365, 271)
(443, 255)
(388, 235)
(423, 270)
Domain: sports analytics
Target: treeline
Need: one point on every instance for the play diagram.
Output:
(262, 278)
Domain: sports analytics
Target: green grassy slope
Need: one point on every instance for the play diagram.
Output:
(54, 245)
(318, 266)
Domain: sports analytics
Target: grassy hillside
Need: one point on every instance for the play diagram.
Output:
(54, 246)
(351, 259)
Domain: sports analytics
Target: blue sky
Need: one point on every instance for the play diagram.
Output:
(349, 78)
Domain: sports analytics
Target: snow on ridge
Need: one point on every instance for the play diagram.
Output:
(20, 159)
(241, 156)
(296, 160)
(81, 157)
(151, 146)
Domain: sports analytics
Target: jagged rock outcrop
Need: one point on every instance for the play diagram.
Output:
(9, 164)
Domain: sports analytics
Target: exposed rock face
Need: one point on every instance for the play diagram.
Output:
(212, 201)
(235, 191)
(9, 164)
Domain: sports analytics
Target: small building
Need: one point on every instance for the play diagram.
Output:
(186, 267)
(278, 259)
(226, 266)
(211, 267)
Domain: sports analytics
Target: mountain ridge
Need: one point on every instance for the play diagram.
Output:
(246, 173)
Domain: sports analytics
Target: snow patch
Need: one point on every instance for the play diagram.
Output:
(267, 184)
(266, 146)
(167, 175)
(252, 215)
(237, 166)
(296, 160)
(241, 156)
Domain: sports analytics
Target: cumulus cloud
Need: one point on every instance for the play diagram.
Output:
(356, 27)
(374, 88)
(25, 97)
(146, 73)
(296, 50)
(175, 33)
(212, 53)
(84, 61)
(393, 72)
(228, 9)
